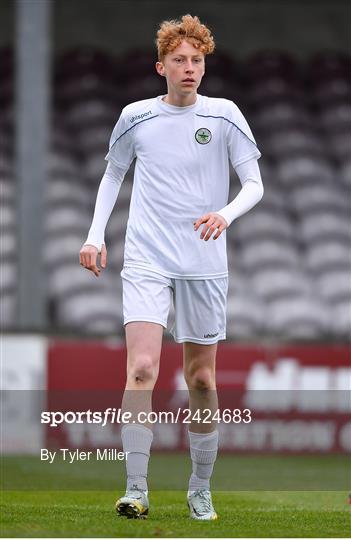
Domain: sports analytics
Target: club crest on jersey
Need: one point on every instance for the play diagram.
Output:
(203, 136)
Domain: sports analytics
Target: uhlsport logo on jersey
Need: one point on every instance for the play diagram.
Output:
(203, 136)
(140, 116)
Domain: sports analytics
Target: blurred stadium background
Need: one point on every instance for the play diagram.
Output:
(66, 71)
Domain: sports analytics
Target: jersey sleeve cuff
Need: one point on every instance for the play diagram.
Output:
(91, 241)
(253, 155)
(225, 214)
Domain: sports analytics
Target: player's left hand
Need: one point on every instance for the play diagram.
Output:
(212, 222)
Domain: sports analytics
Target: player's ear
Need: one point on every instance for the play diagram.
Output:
(160, 68)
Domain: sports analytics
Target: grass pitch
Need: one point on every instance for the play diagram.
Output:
(241, 514)
(34, 503)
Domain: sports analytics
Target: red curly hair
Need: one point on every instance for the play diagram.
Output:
(172, 33)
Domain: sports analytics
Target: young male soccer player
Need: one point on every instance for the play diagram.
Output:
(175, 244)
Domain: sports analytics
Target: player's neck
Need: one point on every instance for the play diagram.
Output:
(180, 100)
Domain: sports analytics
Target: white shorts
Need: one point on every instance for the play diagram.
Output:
(199, 305)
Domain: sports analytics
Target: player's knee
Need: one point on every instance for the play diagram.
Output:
(143, 369)
(201, 379)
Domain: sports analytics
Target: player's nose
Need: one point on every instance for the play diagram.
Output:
(189, 67)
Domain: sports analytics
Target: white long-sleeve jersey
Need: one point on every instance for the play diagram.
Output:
(182, 172)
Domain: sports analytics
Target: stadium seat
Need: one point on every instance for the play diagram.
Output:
(66, 219)
(94, 167)
(83, 59)
(6, 146)
(62, 191)
(7, 68)
(345, 176)
(105, 324)
(324, 226)
(329, 63)
(340, 144)
(260, 224)
(282, 115)
(274, 199)
(84, 72)
(272, 284)
(294, 142)
(337, 117)
(238, 282)
(327, 255)
(335, 286)
(8, 310)
(224, 64)
(8, 245)
(145, 87)
(268, 254)
(341, 319)
(94, 139)
(92, 112)
(87, 86)
(70, 278)
(95, 311)
(302, 170)
(299, 318)
(266, 168)
(245, 317)
(63, 250)
(7, 190)
(274, 89)
(7, 120)
(62, 164)
(138, 62)
(215, 85)
(319, 198)
(7, 217)
(331, 90)
(267, 62)
(8, 273)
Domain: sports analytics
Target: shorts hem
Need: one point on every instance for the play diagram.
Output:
(145, 319)
(200, 341)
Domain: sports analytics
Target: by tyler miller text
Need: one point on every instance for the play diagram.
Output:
(72, 456)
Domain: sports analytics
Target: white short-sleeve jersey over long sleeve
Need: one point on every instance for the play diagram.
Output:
(181, 172)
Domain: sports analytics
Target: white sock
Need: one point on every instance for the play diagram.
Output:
(136, 440)
(203, 452)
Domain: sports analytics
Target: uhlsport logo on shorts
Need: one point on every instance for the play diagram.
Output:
(203, 136)
(211, 335)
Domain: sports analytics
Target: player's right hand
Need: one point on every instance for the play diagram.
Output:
(88, 256)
